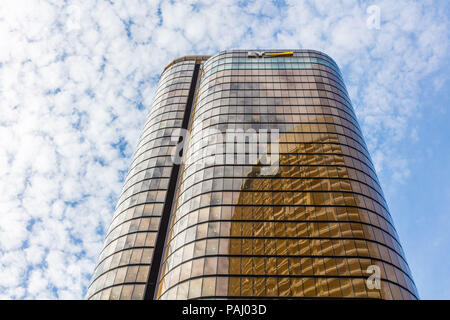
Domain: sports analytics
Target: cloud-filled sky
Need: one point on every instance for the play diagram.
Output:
(77, 80)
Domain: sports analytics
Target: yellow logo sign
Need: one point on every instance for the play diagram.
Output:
(262, 54)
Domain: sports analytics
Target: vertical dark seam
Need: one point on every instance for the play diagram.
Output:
(168, 202)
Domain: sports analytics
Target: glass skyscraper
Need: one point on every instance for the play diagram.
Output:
(315, 226)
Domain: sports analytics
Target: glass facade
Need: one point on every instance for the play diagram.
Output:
(313, 228)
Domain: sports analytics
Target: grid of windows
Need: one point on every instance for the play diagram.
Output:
(310, 230)
(124, 263)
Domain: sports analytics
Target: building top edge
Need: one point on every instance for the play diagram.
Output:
(206, 57)
(187, 58)
(274, 51)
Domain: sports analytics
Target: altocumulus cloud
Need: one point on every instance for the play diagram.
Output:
(76, 83)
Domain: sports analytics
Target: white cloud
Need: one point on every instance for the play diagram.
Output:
(71, 78)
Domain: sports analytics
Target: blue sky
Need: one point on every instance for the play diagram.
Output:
(77, 80)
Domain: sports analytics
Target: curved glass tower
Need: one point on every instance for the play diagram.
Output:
(316, 225)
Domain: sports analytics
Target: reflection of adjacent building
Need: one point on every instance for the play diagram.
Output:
(310, 238)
